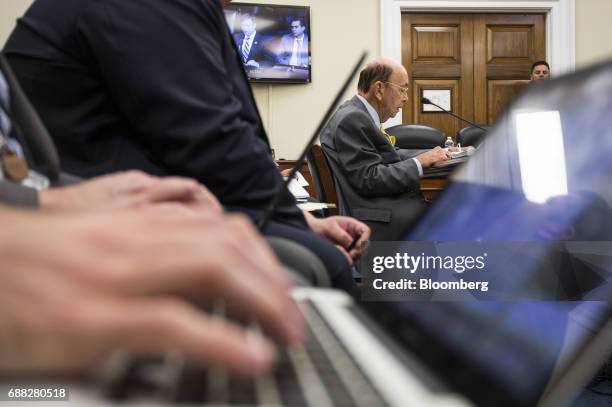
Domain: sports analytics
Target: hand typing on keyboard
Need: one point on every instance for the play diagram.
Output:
(129, 189)
(76, 288)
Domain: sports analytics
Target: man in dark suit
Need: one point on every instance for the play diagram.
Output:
(251, 44)
(159, 87)
(48, 189)
(381, 185)
(43, 185)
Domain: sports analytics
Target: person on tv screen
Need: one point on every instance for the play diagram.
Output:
(294, 46)
(251, 44)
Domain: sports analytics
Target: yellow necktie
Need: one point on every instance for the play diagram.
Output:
(388, 136)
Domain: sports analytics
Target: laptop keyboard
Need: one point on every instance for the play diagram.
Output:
(319, 372)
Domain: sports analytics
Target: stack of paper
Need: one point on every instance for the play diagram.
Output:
(296, 187)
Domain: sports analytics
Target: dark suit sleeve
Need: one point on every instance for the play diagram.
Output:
(16, 195)
(165, 65)
(263, 55)
(364, 165)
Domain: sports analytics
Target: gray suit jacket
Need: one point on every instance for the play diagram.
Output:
(379, 186)
(287, 50)
(37, 145)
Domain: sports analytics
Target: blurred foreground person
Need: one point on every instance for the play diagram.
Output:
(76, 288)
(186, 109)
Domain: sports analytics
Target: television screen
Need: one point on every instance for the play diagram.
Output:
(273, 41)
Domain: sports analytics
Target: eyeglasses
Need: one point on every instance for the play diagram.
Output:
(403, 89)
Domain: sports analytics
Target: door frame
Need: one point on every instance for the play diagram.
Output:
(560, 26)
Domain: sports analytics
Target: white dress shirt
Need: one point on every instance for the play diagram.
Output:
(296, 53)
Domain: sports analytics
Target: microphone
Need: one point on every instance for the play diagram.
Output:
(426, 101)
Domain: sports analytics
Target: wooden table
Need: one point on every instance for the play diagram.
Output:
(433, 184)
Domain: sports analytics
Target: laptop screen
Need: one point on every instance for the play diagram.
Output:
(544, 174)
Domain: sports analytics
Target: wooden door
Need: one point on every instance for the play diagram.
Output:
(482, 59)
(505, 46)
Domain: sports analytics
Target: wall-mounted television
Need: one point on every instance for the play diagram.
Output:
(273, 41)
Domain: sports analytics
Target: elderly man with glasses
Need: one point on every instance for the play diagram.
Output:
(381, 184)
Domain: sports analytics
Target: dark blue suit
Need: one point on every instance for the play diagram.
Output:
(258, 51)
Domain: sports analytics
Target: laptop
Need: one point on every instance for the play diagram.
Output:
(441, 353)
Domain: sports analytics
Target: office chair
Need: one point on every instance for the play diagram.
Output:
(322, 178)
(325, 188)
(416, 136)
(337, 181)
(471, 136)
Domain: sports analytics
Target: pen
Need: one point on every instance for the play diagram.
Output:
(354, 242)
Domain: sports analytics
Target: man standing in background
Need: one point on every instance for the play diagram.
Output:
(540, 70)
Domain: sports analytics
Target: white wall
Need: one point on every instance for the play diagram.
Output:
(9, 11)
(593, 31)
(340, 30)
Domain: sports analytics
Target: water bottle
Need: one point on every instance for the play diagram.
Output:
(448, 143)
